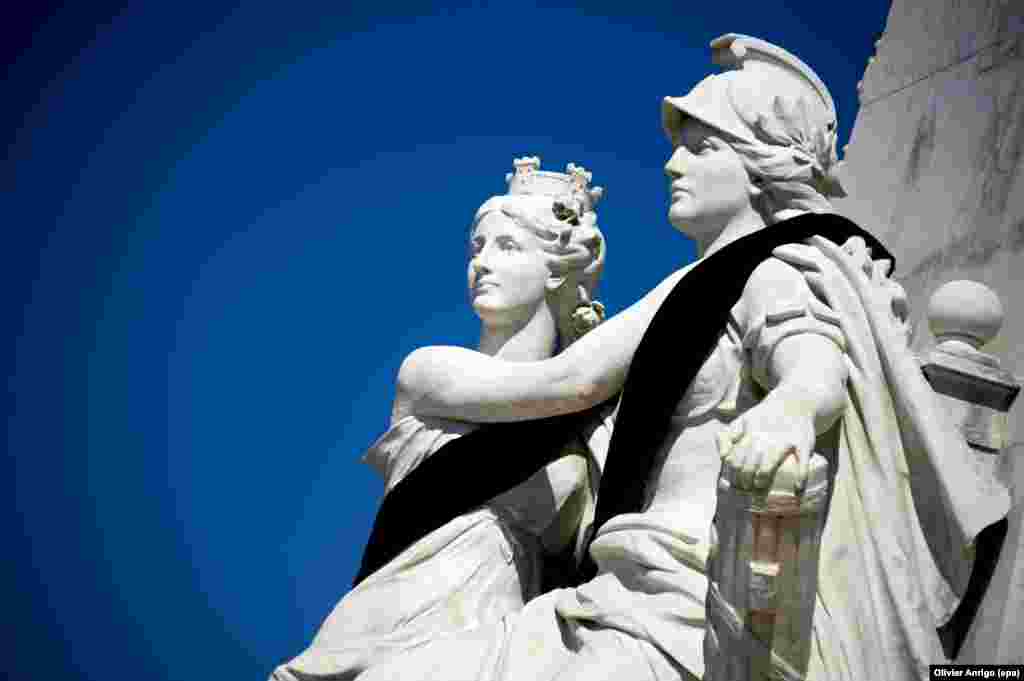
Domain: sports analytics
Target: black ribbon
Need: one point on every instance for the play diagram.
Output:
(462, 475)
(682, 334)
(469, 471)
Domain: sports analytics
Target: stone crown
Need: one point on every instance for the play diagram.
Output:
(528, 178)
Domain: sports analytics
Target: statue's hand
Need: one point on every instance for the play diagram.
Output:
(823, 262)
(763, 438)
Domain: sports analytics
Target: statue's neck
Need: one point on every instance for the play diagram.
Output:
(528, 342)
(738, 227)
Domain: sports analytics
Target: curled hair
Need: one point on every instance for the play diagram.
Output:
(574, 248)
(792, 161)
(784, 179)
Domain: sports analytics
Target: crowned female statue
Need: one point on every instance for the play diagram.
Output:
(451, 552)
(785, 338)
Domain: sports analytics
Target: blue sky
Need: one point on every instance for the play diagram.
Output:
(226, 228)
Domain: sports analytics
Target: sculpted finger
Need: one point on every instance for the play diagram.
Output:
(824, 245)
(798, 255)
(760, 474)
(805, 474)
(770, 467)
(841, 260)
(765, 470)
(725, 444)
(747, 465)
(734, 461)
(855, 244)
(860, 254)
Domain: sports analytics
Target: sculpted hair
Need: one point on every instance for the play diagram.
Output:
(575, 250)
(781, 177)
(792, 162)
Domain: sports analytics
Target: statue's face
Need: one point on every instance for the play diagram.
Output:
(508, 271)
(708, 184)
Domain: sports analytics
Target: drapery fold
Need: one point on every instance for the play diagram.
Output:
(908, 499)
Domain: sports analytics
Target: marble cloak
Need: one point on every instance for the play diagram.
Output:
(912, 518)
(908, 507)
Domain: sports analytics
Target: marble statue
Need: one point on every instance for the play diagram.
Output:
(536, 256)
(776, 364)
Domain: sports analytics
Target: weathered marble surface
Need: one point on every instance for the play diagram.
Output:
(934, 170)
(934, 167)
(923, 37)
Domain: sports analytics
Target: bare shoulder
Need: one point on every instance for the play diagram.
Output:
(775, 280)
(423, 367)
(774, 273)
(773, 285)
(418, 375)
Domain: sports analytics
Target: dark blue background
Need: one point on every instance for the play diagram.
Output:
(224, 227)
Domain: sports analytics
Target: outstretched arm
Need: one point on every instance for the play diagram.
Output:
(467, 385)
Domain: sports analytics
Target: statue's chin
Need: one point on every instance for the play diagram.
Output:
(495, 314)
(490, 314)
(679, 222)
(681, 211)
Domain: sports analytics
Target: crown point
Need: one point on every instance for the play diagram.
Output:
(575, 182)
(580, 176)
(526, 165)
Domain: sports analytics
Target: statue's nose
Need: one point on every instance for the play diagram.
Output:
(675, 166)
(478, 264)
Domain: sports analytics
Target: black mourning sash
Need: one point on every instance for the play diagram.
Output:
(682, 334)
(464, 474)
(471, 470)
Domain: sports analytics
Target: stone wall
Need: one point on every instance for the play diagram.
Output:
(934, 169)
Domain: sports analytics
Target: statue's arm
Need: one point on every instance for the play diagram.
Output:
(798, 358)
(467, 385)
(811, 378)
(799, 346)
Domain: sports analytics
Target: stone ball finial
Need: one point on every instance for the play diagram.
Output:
(964, 312)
